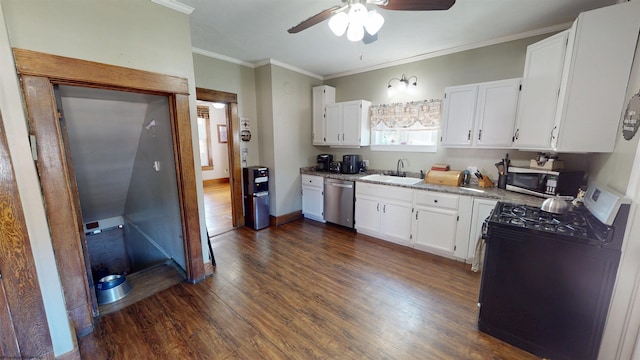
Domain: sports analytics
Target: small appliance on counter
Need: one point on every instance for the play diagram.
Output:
(544, 183)
(335, 166)
(442, 177)
(323, 162)
(350, 164)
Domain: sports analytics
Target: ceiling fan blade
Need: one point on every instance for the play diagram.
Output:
(315, 19)
(418, 5)
(368, 39)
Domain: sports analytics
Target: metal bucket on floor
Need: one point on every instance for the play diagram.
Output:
(112, 288)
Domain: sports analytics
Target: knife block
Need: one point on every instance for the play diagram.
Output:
(485, 182)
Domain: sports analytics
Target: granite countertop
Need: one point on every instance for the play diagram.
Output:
(470, 190)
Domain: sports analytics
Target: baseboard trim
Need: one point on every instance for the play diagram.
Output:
(210, 182)
(283, 219)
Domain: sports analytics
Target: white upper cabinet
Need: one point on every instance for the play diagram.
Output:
(579, 109)
(322, 95)
(480, 115)
(539, 96)
(347, 124)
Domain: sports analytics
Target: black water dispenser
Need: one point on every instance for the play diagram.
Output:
(256, 196)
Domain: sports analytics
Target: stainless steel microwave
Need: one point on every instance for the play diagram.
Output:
(544, 183)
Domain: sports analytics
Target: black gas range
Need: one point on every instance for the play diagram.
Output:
(547, 279)
(577, 225)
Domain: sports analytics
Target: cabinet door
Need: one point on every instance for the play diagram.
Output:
(481, 210)
(458, 115)
(322, 95)
(367, 215)
(351, 122)
(436, 230)
(538, 101)
(396, 221)
(333, 113)
(496, 113)
(313, 203)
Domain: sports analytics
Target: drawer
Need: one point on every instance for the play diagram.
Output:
(312, 181)
(437, 199)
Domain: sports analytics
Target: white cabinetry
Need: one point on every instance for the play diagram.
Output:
(347, 123)
(480, 115)
(384, 212)
(441, 223)
(574, 83)
(313, 197)
(322, 95)
(481, 210)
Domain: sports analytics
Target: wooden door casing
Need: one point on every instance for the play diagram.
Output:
(39, 72)
(24, 331)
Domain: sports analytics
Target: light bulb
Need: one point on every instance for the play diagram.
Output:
(357, 14)
(390, 91)
(374, 22)
(402, 85)
(338, 23)
(355, 32)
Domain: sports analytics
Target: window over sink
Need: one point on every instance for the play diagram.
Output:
(406, 126)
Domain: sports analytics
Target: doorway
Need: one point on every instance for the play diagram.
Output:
(217, 193)
(214, 161)
(39, 73)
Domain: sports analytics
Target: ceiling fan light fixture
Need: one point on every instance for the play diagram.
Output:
(339, 23)
(355, 32)
(374, 22)
(358, 14)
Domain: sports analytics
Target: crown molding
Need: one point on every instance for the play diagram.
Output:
(522, 35)
(226, 58)
(175, 5)
(229, 59)
(289, 67)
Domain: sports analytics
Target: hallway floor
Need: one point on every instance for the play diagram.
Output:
(217, 208)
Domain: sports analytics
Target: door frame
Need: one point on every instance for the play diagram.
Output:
(38, 73)
(233, 144)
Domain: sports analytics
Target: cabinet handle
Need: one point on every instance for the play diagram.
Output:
(435, 201)
(479, 134)
(378, 207)
(469, 135)
(515, 137)
(338, 137)
(384, 208)
(343, 137)
(417, 215)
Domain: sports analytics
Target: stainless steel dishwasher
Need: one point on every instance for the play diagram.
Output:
(338, 201)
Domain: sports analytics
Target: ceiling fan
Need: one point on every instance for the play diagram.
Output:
(357, 6)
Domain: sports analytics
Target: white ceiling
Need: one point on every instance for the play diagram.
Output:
(252, 31)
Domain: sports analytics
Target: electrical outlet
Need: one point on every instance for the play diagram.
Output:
(472, 169)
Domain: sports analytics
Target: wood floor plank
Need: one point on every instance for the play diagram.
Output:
(306, 290)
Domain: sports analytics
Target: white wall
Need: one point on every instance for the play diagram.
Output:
(219, 151)
(152, 207)
(214, 74)
(136, 34)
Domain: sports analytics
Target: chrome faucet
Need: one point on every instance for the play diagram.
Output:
(400, 163)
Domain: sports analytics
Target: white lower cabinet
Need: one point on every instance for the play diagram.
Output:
(313, 197)
(481, 210)
(441, 223)
(384, 212)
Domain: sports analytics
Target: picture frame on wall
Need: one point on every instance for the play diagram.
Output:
(222, 134)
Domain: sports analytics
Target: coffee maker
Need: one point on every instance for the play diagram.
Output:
(323, 162)
(350, 164)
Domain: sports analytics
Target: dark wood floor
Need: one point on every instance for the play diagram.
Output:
(307, 291)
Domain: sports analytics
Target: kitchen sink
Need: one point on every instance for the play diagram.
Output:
(392, 179)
